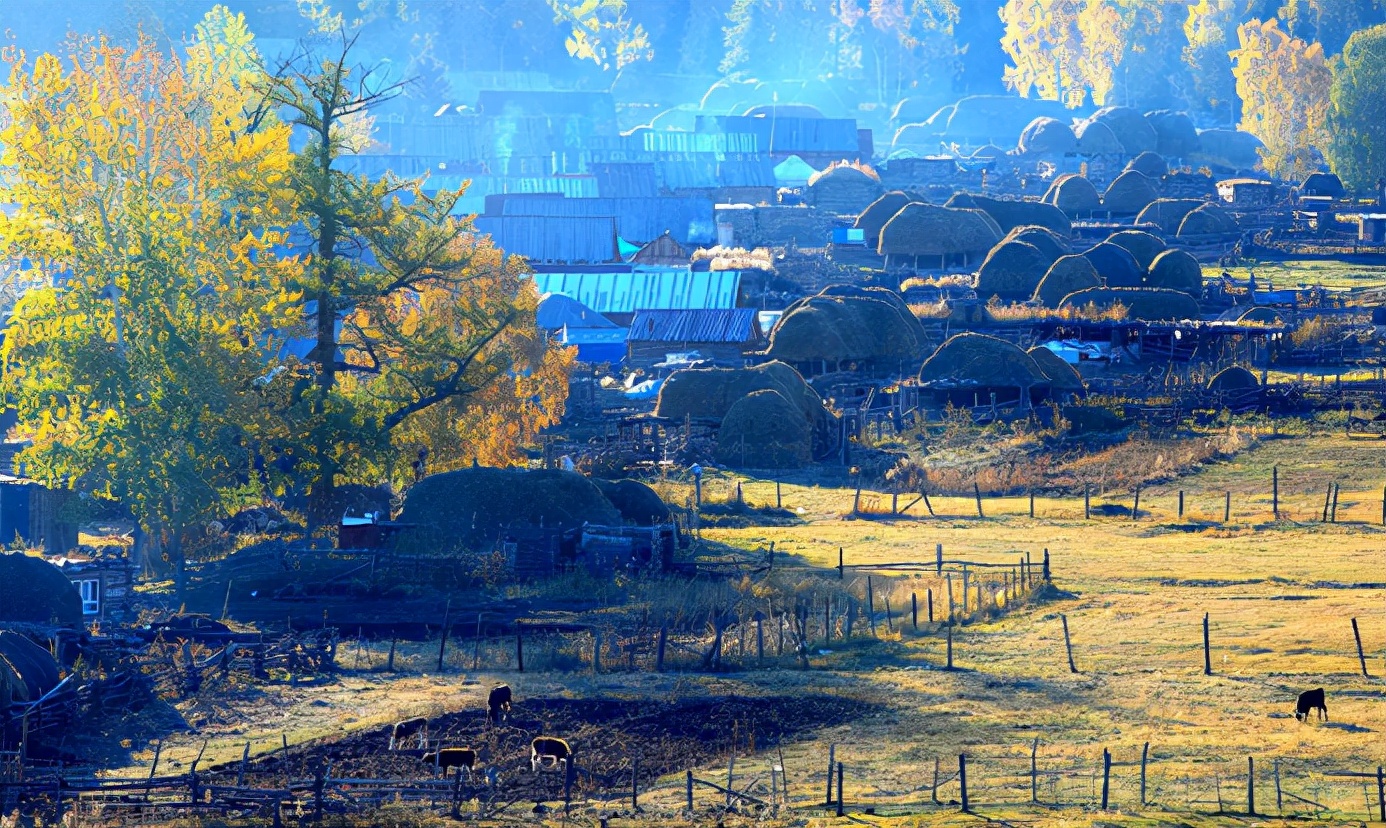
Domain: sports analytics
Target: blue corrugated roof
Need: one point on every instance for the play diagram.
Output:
(638, 220)
(629, 288)
(554, 239)
(736, 325)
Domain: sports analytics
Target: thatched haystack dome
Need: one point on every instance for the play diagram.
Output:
(1167, 213)
(927, 231)
(1130, 128)
(1010, 214)
(1051, 244)
(845, 188)
(1047, 136)
(27, 671)
(880, 294)
(763, 430)
(1150, 165)
(921, 139)
(973, 363)
(918, 110)
(1323, 184)
(709, 393)
(1229, 149)
(1074, 195)
(1096, 138)
(784, 110)
(980, 119)
(1208, 219)
(1176, 270)
(725, 97)
(35, 591)
(1068, 274)
(1233, 378)
(877, 213)
(1128, 194)
(1012, 271)
(840, 330)
(1063, 378)
(1175, 133)
(1116, 265)
(1145, 304)
(1141, 245)
(1260, 315)
(637, 503)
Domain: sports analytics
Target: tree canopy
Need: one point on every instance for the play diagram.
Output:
(1357, 117)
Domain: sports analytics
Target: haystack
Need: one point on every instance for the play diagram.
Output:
(1233, 378)
(1175, 133)
(1228, 149)
(27, 671)
(1010, 214)
(1323, 184)
(469, 508)
(1176, 270)
(1047, 136)
(709, 393)
(1208, 219)
(763, 431)
(840, 330)
(1130, 128)
(975, 361)
(919, 110)
(1144, 304)
(1150, 165)
(918, 138)
(1051, 244)
(1116, 265)
(1141, 245)
(1069, 274)
(637, 503)
(877, 213)
(1167, 213)
(979, 119)
(1012, 271)
(880, 294)
(35, 591)
(784, 110)
(1128, 194)
(844, 189)
(928, 231)
(1096, 138)
(1260, 315)
(1063, 378)
(1074, 195)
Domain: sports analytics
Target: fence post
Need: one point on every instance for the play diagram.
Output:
(962, 781)
(950, 644)
(1034, 771)
(1032, 503)
(1227, 507)
(1106, 775)
(827, 620)
(1068, 645)
(457, 794)
(977, 491)
(519, 648)
(569, 771)
(914, 610)
(1044, 573)
(1383, 505)
(1275, 492)
(1275, 765)
(1181, 504)
(948, 580)
(319, 783)
(1381, 793)
(760, 637)
(1087, 503)
(1327, 501)
(840, 568)
(934, 794)
(964, 591)
(688, 779)
(659, 648)
(832, 761)
(839, 789)
(1207, 653)
(938, 557)
(443, 641)
(1145, 755)
(890, 624)
(635, 784)
(871, 606)
(476, 646)
(929, 597)
(1250, 786)
(1361, 659)
(731, 773)
(1333, 514)
(1136, 508)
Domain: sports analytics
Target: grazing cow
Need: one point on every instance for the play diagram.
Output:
(445, 759)
(549, 751)
(1311, 700)
(498, 703)
(416, 728)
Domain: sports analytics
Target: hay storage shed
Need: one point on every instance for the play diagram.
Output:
(1063, 378)
(1229, 149)
(1140, 244)
(1208, 219)
(877, 213)
(1068, 274)
(1012, 271)
(1129, 194)
(1175, 133)
(1167, 213)
(1233, 378)
(1012, 213)
(1116, 265)
(763, 430)
(1074, 195)
(1176, 270)
(1096, 138)
(1047, 136)
(929, 234)
(1323, 184)
(1130, 128)
(34, 591)
(968, 368)
(1051, 244)
(1143, 304)
(844, 189)
(831, 333)
(1150, 165)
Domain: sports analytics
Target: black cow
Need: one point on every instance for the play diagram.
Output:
(1311, 700)
(498, 703)
(416, 728)
(549, 751)
(445, 759)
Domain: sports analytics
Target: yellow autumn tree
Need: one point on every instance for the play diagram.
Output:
(1284, 86)
(1063, 50)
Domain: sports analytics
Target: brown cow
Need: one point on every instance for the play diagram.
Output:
(549, 751)
(445, 759)
(409, 729)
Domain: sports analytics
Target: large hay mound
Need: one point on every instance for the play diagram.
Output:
(997, 118)
(1116, 265)
(1140, 244)
(470, 508)
(1062, 377)
(1051, 244)
(1074, 195)
(929, 230)
(1323, 184)
(709, 393)
(1208, 219)
(1176, 270)
(877, 213)
(1129, 194)
(1012, 271)
(1130, 128)
(1233, 378)
(1150, 165)
(636, 502)
(1095, 138)
(27, 671)
(764, 431)
(1175, 133)
(1260, 315)
(35, 591)
(1068, 274)
(880, 294)
(1047, 136)
(1229, 149)
(1144, 304)
(1167, 213)
(1010, 214)
(838, 329)
(844, 189)
(971, 360)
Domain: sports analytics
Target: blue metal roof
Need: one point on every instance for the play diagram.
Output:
(735, 325)
(554, 239)
(688, 219)
(626, 289)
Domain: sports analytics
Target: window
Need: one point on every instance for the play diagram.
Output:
(91, 596)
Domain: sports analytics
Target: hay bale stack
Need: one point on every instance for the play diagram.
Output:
(877, 213)
(1176, 270)
(1323, 184)
(763, 430)
(1150, 165)
(1175, 133)
(1012, 271)
(1051, 244)
(1167, 213)
(1229, 149)
(709, 393)
(1063, 378)
(1208, 219)
(1047, 136)
(1130, 128)
(845, 329)
(27, 671)
(979, 119)
(918, 138)
(1096, 138)
(1142, 246)
(1144, 304)
(637, 503)
(1116, 265)
(35, 591)
(1129, 194)
(844, 189)
(1234, 378)
(1069, 274)
(927, 230)
(470, 508)
(1010, 214)
(1074, 195)
(971, 360)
